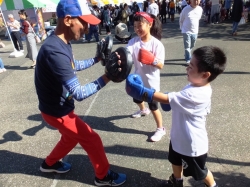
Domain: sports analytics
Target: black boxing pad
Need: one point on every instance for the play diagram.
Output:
(112, 67)
(104, 48)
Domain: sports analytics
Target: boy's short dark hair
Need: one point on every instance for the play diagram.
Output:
(210, 59)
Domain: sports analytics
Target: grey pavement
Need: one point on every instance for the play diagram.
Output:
(25, 139)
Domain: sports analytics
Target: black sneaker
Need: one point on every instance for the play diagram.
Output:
(172, 182)
(111, 179)
(58, 167)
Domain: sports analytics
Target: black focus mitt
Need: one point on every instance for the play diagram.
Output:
(104, 48)
(116, 72)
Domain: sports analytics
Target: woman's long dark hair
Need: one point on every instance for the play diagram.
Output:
(156, 29)
(23, 12)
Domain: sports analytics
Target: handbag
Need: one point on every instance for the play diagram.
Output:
(38, 40)
(242, 21)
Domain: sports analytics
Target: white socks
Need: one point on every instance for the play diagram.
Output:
(213, 185)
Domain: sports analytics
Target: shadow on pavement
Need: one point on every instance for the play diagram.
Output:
(173, 74)
(6, 51)
(99, 123)
(221, 31)
(134, 152)
(236, 180)
(10, 136)
(32, 131)
(81, 172)
(16, 67)
(236, 72)
(184, 74)
(106, 124)
(171, 60)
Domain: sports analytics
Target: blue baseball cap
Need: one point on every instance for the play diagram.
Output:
(76, 8)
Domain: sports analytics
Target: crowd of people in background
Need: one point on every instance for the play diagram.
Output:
(122, 16)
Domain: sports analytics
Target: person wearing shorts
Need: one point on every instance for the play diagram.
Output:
(188, 145)
(192, 166)
(188, 135)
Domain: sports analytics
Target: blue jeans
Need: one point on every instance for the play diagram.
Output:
(235, 26)
(93, 30)
(189, 42)
(1, 64)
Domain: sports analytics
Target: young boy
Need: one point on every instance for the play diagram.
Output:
(189, 142)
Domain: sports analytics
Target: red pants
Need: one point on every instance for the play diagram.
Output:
(73, 131)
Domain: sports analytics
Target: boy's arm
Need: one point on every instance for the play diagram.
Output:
(135, 88)
(84, 64)
(161, 97)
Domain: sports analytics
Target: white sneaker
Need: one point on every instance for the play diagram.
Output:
(3, 69)
(159, 133)
(141, 113)
(22, 51)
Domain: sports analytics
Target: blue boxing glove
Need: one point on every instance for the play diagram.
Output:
(135, 88)
(165, 107)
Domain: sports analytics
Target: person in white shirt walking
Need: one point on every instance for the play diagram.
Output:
(14, 26)
(189, 25)
(153, 8)
(183, 4)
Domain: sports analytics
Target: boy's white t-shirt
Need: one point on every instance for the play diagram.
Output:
(189, 19)
(150, 74)
(189, 109)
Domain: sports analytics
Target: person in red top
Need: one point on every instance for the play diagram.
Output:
(30, 37)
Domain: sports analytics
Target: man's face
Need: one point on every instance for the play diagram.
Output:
(11, 19)
(78, 28)
(195, 2)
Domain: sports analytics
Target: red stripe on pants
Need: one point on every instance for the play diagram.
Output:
(73, 131)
